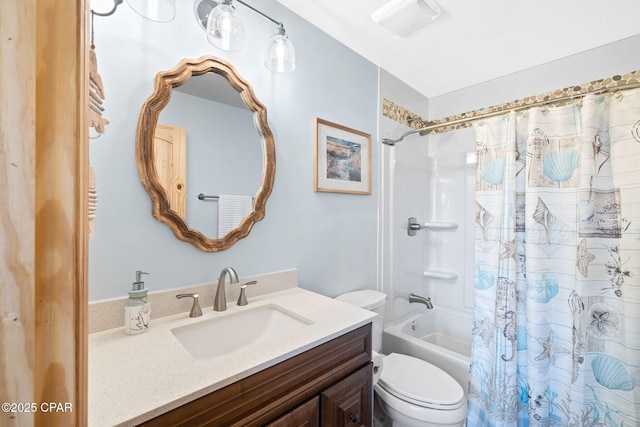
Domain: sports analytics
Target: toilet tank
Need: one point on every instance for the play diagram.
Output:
(373, 301)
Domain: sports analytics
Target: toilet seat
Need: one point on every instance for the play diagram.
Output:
(420, 383)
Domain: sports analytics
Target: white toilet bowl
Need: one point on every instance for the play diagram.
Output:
(414, 393)
(410, 391)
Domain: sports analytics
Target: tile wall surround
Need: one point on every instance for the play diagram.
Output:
(108, 314)
(406, 117)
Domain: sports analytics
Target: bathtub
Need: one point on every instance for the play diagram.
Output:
(440, 337)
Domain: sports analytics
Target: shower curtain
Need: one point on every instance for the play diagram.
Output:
(556, 331)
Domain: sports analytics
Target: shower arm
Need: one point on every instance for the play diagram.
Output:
(392, 142)
(435, 125)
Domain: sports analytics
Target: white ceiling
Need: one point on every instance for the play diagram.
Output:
(474, 41)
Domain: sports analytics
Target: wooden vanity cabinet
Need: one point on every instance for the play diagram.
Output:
(349, 401)
(305, 415)
(346, 403)
(327, 386)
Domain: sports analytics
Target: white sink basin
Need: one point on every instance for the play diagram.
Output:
(228, 333)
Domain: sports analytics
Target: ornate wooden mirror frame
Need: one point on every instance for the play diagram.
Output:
(147, 122)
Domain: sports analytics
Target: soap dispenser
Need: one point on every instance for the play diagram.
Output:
(137, 310)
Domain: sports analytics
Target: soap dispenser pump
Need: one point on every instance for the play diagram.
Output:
(137, 310)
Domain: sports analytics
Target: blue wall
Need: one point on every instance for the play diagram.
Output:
(331, 238)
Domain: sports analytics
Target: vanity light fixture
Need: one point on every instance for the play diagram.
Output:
(224, 27)
(281, 55)
(225, 31)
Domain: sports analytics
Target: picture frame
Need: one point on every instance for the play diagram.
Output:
(342, 159)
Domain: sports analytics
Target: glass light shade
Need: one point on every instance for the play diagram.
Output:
(155, 10)
(281, 55)
(224, 28)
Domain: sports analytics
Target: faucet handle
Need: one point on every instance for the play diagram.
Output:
(195, 308)
(242, 299)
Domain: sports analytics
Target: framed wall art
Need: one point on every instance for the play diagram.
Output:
(342, 159)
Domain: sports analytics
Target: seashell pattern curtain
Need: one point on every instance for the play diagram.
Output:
(556, 333)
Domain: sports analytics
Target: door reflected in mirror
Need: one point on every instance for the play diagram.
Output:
(210, 138)
(170, 156)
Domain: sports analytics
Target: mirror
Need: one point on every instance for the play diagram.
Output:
(207, 124)
(183, 150)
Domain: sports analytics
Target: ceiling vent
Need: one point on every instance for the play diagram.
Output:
(400, 17)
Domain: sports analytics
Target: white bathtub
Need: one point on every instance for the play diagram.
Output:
(441, 338)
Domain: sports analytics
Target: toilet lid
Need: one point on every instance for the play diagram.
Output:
(420, 383)
(367, 299)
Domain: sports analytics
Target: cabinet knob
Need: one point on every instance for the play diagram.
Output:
(354, 418)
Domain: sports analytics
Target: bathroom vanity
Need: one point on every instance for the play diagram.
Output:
(335, 376)
(320, 374)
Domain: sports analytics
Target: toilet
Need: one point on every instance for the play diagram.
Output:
(411, 392)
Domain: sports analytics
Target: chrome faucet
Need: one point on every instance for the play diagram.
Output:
(422, 300)
(220, 301)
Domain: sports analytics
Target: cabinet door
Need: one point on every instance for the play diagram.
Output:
(305, 415)
(349, 402)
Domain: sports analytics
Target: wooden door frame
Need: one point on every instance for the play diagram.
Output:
(61, 242)
(44, 221)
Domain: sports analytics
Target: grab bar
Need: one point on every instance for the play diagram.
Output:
(414, 226)
(436, 274)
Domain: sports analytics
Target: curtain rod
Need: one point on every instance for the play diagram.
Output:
(497, 110)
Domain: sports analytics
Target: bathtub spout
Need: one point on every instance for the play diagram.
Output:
(422, 300)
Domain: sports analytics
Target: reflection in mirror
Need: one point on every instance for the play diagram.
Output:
(223, 151)
(210, 137)
(170, 157)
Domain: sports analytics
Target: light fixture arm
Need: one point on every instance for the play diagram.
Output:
(116, 3)
(280, 25)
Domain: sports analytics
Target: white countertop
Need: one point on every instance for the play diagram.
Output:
(133, 378)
